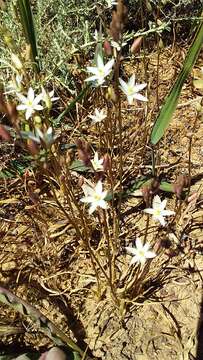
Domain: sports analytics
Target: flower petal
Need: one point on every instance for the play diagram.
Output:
(21, 107)
(168, 212)
(156, 202)
(131, 81)
(161, 219)
(108, 66)
(150, 254)
(100, 63)
(134, 260)
(28, 113)
(149, 211)
(163, 204)
(103, 204)
(124, 86)
(92, 208)
(140, 87)
(131, 250)
(140, 97)
(38, 107)
(98, 187)
(139, 244)
(31, 94)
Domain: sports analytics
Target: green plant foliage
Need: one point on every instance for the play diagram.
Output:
(27, 21)
(44, 324)
(171, 101)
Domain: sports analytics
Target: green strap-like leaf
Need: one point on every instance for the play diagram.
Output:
(70, 106)
(27, 21)
(171, 101)
(44, 324)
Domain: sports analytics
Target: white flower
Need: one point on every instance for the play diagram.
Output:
(98, 37)
(48, 97)
(157, 210)
(95, 196)
(100, 71)
(141, 253)
(30, 103)
(110, 3)
(96, 163)
(131, 90)
(39, 137)
(98, 117)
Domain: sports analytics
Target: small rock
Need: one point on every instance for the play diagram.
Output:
(55, 354)
(8, 266)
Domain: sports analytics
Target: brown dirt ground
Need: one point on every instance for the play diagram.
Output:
(52, 274)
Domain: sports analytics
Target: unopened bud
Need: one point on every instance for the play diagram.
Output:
(107, 48)
(111, 95)
(84, 156)
(136, 45)
(199, 107)
(62, 178)
(146, 194)
(4, 134)
(181, 183)
(16, 62)
(46, 99)
(37, 121)
(107, 162)
(12, 112)
(81, 181)
(161, 44)
(32, 147)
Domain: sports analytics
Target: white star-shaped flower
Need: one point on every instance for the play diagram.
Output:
(110, 3)
(157, 211)
(47, 137)
(98, 116)
(100, 71)
(30, 103)
(95, 196)
(141, 253)
(131, 90)
(97, 163)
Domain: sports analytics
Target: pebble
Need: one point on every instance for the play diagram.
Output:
(8, 266)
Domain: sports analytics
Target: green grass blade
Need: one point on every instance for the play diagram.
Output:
(27, 21)
(171, 101)
(71, 106)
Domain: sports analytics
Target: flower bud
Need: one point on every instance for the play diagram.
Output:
(16, 62)
(37, 121)
(136, 45)
(32, 147)
(46, 99)
(111, 95)
(107, 162)
(81, 181)
(4, 134)
(199, 107)
(107, 48)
